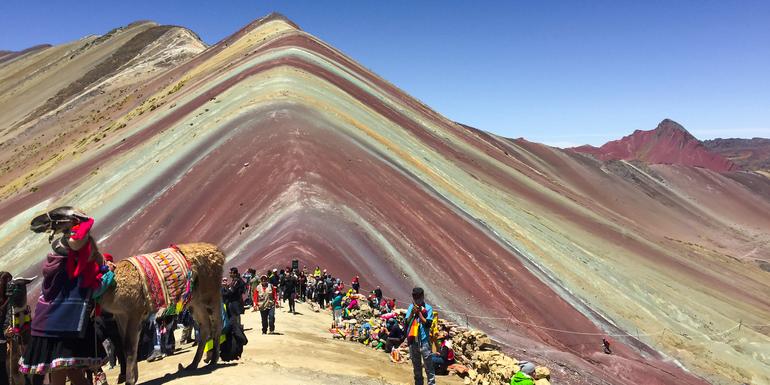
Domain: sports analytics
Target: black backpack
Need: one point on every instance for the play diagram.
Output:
(235, 339)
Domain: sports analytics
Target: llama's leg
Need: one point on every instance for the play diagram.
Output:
(202, 319)
(131, 327)
(216, 330)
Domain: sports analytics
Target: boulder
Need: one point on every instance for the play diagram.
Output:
(542, 372)
(460, 370)
(542, 381)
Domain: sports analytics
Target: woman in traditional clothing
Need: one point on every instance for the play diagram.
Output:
(63, 342)
(5, 322)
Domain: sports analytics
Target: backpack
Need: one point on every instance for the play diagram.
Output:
(232, 348)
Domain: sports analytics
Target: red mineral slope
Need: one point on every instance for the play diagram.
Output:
(669, 143)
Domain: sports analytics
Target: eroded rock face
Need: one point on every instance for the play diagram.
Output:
(669, 143)
(749, 154)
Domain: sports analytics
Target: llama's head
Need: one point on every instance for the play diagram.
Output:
(57, 220)
(16, 291)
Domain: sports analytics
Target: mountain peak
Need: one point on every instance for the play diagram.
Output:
(668, 143)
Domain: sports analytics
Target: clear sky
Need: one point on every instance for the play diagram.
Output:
(558, 72)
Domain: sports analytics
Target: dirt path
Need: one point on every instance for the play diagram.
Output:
(304, 353)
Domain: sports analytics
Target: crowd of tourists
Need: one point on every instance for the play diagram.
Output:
(70, 338)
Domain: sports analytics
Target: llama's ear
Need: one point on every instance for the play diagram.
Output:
(25, 281)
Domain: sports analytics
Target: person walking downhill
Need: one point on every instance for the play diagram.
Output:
(290, 290)
(419, 317)
(265, 301)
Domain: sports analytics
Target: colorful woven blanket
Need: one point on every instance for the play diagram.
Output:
(166, 277)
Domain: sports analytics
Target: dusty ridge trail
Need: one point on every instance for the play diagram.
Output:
(304, 353)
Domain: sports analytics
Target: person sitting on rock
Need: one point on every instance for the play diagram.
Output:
(444, 358)
(524, 375)
(395, 335)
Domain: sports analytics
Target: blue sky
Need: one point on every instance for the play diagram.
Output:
(558, 72)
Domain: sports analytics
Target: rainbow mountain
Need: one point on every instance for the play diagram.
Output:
(275, 146)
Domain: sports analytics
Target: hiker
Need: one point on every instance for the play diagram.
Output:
(378, 294)
(336, 304)
(301, 286)
(355, 284)
(107, 333)
(290, 291)
(5, 323)
(524, 375)
(395, 335)
(320, 293)
(232, 296)
(187, 321)
(63, 341)
(281, 288)
(157, 351)
(330, 288)
(310, 289)
(248, 279)
(419, 318)
(606, 345)
(264, 299)
(444, 358)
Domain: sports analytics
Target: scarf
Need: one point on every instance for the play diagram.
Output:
(79, 264)
(413, 332)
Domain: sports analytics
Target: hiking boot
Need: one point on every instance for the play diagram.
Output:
(155, 356)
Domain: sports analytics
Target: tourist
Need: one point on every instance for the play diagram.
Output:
(157, 352)
(317, 272)
(107, 332)
(606, 345)
(419, 318)
(232, 296)
(281, 287)
(264, 298)
(70, 274)
(524, 375)
(310, 289)
(320, 293)
(290, 290)
(336, 304)
(330, 288)
(378, 295)
(248, 279)
(302, 278)
(444, 358)
(395, 335)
